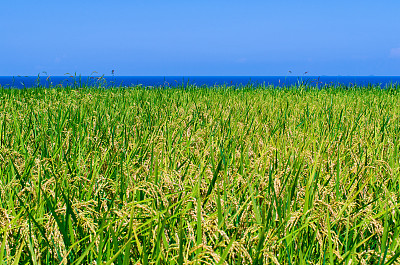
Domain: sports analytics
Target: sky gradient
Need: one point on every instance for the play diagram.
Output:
(189, 38)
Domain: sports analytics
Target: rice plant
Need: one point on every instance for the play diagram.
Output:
(200, 175)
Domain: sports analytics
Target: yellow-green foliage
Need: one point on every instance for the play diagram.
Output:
(199, 175)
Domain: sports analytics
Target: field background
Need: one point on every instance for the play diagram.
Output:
(200, 175)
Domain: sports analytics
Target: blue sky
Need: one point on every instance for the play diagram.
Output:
(188, 38)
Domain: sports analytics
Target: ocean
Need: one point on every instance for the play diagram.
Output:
(174, 81)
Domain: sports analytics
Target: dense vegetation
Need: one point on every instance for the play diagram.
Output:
(211, 175)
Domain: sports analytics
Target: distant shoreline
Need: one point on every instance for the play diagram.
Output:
(174, 81)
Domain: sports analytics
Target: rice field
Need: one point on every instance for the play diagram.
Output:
(200, 175)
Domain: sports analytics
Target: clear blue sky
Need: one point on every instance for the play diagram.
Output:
(188, 38)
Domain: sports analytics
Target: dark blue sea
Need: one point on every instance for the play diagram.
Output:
(178, 81)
